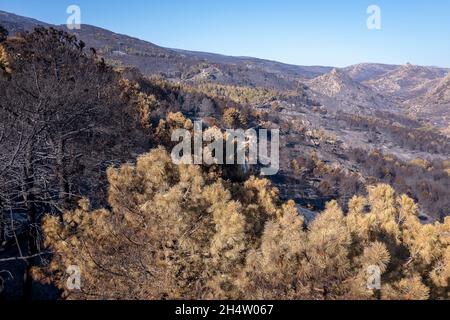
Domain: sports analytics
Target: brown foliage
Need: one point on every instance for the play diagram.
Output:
(173, 232)
(234, 119)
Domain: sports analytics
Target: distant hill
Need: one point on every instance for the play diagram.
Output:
(267, 65)
(407, 81)
(362, 88)
(179, 64)
(434, 105)
(369, 71)
(14, 23)
(338, 91)
(440, 94)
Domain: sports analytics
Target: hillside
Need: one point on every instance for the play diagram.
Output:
(363, 88)
(407, 81)
(434, 105)
(330, 106)
(86, 173)
(339, 92)
(440, 94)
(368, 71)
(178, 64)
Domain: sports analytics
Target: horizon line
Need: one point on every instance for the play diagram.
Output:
(237, 56)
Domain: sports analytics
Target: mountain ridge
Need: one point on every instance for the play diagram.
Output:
(369, 87)
(173, 63)
(407, 81)
(346, 94)
(16, 23)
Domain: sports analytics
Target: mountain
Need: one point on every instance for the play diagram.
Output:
(337, 91)
(434, 105)
(368, 71)
(14, 23)
(404, 82)
(173, 64)
(408, 81)
(440, 94)
(363, 88)
(267, 65)
(61, 130)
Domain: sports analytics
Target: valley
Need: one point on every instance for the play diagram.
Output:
(87, 117)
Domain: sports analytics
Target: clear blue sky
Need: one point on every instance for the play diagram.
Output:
(315, 32)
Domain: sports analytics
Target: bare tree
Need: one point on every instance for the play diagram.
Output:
(61, 112)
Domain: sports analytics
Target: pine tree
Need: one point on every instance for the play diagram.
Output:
(5, 65)
(177, 232)
(234, 119)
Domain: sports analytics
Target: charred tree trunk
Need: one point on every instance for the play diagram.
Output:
(32, 234)
(2, 225)
(62, 176)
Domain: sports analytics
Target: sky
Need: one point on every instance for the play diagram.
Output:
(316, 32)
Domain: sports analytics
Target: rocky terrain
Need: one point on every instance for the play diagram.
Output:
(433, 105)
(339, 92)
(341, 130)
(150, 59)
(421, 92)
(408, 81)
(321, 110)
(441, 93)
(368, 71)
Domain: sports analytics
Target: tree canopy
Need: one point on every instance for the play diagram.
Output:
(173, 232)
